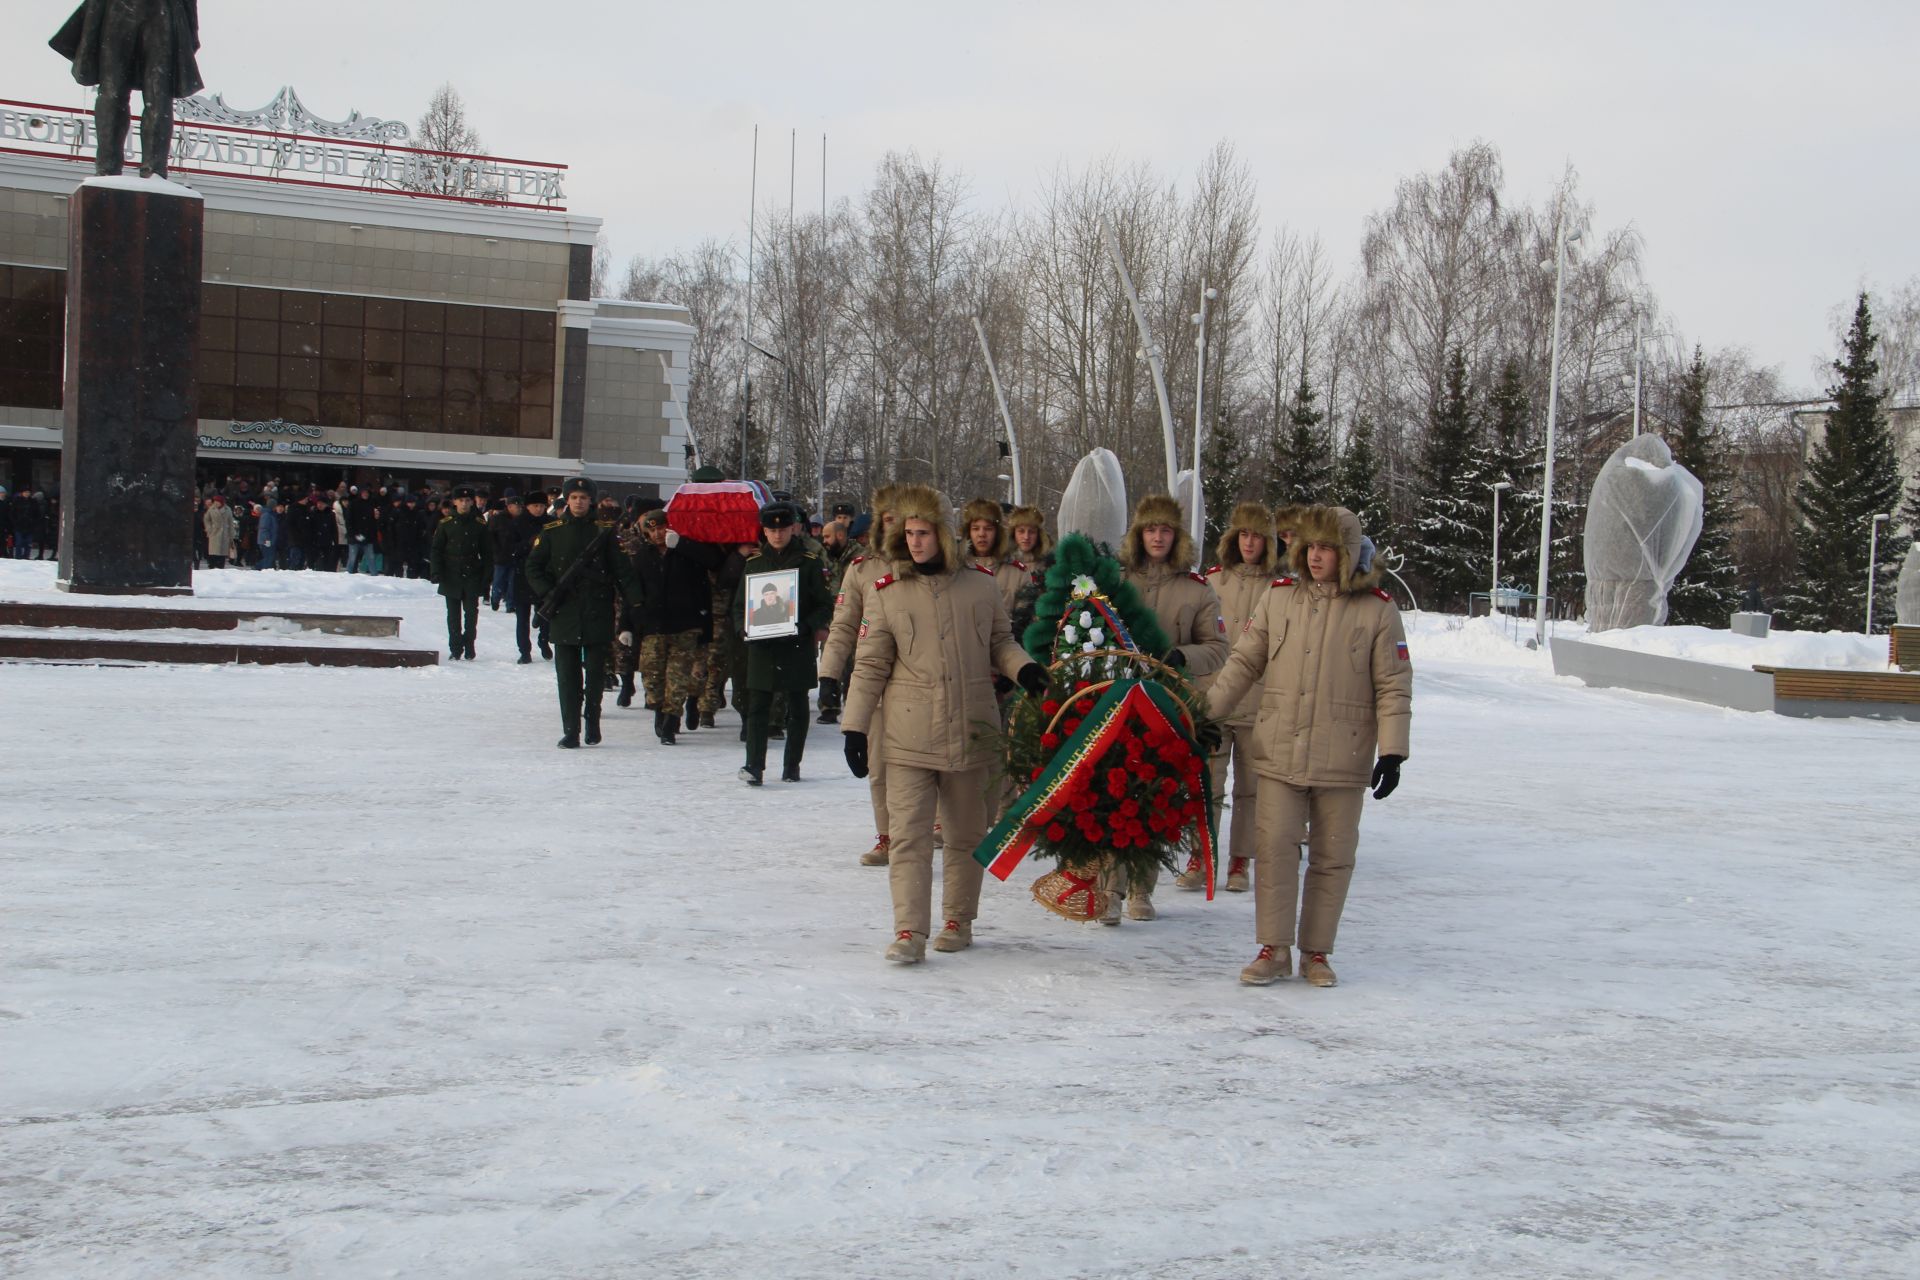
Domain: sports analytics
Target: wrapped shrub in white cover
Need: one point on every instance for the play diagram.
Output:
(1906, 605)
(1095, 502)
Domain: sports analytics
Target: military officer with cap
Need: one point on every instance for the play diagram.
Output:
(461, 562)
(580, 617)
(781, 664)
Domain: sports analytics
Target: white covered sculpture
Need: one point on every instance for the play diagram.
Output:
(1095, 502)
(1641, 526)
(1906, 604)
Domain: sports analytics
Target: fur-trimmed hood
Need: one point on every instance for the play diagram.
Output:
(1248, 517)
(919, 502)
(989, 510)
(1339, 527)
(1157, 508)
(1030, 518)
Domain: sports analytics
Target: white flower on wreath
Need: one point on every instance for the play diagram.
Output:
(1097, 636)
(1088, 647)
(1070, 635)
(1084, 586)
(1086, 618)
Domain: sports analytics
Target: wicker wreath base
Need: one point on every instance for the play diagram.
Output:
(1072, 892)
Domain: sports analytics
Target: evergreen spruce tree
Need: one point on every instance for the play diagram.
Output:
(1223, 468)
(1708, 588)
(1447, 547)
(1515, 457)
(1355, 480)
(1303, 465)
(1852, 475)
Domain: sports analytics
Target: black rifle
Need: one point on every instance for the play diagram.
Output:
(555, 599)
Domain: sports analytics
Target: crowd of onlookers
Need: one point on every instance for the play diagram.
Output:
(380, 529)
(29, 524)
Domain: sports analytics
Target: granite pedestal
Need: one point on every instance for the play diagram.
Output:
(133, 340)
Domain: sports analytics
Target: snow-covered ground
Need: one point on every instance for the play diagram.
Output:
(351, 973)
(1834, 650)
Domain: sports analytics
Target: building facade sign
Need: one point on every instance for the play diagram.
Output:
(250, 440)
(273, 156)
(277, 427)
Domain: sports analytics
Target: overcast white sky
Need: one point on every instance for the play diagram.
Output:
(1765, 151)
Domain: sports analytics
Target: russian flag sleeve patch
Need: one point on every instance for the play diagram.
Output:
(1400, 651)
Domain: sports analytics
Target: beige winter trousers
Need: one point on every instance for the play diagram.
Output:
(1236, 752)
(877, 766)
(1328, 819)
(913, 796)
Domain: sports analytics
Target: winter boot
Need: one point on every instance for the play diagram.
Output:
(1271, 965)
(669, 729)
(876, 856)
(706, 719)
(660, 725)
(570, 740)
(469, 650)
(546, 650)
(1110, 910)
(1237, 881)
(693, 713)
(957, 936)
(790, 773)
(453, 650)
(907, 948)
(748, 776)
(1315, 969)
(1140, 906)
(593, 731)
(626, 692)
(1194, 877)
(525, 658)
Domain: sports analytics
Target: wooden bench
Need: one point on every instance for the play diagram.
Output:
(1904, 647)
(1817, 691)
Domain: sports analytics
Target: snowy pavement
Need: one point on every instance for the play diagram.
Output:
(314, 972)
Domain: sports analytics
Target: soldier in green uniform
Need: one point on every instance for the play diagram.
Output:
(461, 563)
(782, 664)
(582, 617)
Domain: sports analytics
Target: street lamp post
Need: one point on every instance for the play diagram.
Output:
(1000, 398)
(776, 437)
(1873, 555)
(1560, 242)
(1152, 351)
(1493, 590)
(1197, 517)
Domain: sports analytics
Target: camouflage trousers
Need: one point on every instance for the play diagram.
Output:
(666, 666)
(710, 671)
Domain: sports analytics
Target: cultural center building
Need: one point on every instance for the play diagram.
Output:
(372, 313)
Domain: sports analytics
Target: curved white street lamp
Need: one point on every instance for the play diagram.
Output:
(1152, 352)
(1873, 555)
(1560, 242)
(1493, 589)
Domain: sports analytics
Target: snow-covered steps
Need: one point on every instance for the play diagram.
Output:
(122, 616)
(87, 645)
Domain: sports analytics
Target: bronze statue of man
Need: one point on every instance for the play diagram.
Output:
(123, 45)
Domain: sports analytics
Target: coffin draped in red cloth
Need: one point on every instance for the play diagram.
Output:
(720, 511)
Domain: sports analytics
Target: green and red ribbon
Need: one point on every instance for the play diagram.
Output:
(1144, 701)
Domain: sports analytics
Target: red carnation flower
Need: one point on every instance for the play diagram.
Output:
(1051, 741)
(1050, 708)
(1056, 832)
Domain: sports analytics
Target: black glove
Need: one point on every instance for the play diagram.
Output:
(1209, 737)
(1033, 678)
(829, 691)
(1176, 659)
(1386, 776)
(856, 746)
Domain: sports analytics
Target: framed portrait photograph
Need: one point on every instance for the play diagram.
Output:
(773, 604)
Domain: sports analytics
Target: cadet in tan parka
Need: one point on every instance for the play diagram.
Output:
(989, 544)
(836, 656)
(1248, 553)
(1157, 557)
(1329, 652)
(933, 634)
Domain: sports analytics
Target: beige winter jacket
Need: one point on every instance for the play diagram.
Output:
(1189, 612)
(1011, 574)
(930, 644)
(1241, 588)
(220, 526)
(848, 608)
(1332, 659)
